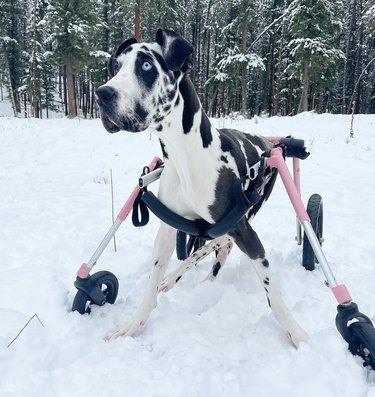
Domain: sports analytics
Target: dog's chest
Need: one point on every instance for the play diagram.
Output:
(189, 193)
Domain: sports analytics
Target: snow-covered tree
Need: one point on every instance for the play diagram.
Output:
(233, 60)
(314, 27)
(12, 19)
(356, 80)
(74, 23)
(251, 56)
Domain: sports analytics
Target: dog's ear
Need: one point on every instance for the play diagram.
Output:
(112, 63)
(123, 46)
(176, 50)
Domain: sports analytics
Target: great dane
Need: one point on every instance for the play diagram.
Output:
(150, 89)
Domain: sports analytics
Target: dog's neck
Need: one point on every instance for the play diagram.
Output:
(187, 128)
(190, 146)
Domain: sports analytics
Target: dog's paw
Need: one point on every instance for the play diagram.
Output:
(298, 336)
(129, 329)
(169, 282)
(210, 277)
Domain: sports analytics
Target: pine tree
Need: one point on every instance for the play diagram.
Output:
(35, 59)
(234, 61)
(74, 22)
(358, 73)
(314, 29)
(249, 56)
(12, 17)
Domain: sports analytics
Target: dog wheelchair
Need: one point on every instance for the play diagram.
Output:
(199, 237)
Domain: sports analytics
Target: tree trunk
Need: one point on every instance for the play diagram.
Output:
(35, 90)
(137, 20)
(349, 63)
(359, 63)
(291, 100)
(1, 87)
(106, 34)
(9, 84)
(244, 108)
(72, 106)
(303, 107)
(65, 103)
(92, 101)
(278, 73)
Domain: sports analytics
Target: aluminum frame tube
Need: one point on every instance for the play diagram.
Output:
(102, 246)
(315, 245)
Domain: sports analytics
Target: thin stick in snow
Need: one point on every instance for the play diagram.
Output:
(351, 134)
(113, 211)
(19, 333)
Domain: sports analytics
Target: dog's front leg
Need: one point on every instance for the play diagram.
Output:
(163, 249)
(248, 241)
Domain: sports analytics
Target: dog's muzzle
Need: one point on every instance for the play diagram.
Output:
(106, 97)
(112, 120)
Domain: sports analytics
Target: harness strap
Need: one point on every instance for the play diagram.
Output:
(249, 197)
(140, 213)
(244, 200)
(185, 247)
(169, 217)
(199, 227)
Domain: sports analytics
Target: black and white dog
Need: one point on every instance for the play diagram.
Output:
(150, 88)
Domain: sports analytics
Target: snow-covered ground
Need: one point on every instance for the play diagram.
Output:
(203, 339)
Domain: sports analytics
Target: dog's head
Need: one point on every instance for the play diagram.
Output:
(144, 80)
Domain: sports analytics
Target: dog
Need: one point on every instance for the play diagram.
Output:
(149, 88)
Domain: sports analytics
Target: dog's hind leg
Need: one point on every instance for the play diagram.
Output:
(247, 240)
(221, 257)
(163, 249)
(219, 244)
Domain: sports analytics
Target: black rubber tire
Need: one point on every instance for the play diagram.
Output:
(107, 282)
(315, 211)
(363, 345)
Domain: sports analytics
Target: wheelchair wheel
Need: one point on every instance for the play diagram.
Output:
(315, 211)
(99, 288)
(363, 342)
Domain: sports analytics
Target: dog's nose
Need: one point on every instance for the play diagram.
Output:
(105, 94)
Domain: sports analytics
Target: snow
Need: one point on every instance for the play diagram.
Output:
(100, 54)
(370, 13)
(234, 57)
(203, 339)
(221, 76)
(314, 45)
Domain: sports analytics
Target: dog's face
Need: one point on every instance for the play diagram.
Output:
(144, 81)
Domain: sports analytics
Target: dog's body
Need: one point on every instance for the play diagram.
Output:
(150, 89)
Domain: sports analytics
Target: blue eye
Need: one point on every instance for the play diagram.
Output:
(146, 66)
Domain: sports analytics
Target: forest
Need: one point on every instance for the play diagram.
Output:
(251, 57)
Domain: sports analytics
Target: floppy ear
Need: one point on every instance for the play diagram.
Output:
(176, 50)
(123, 46)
